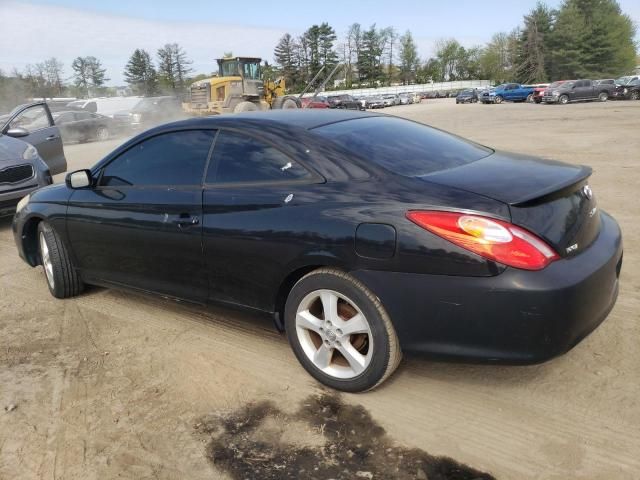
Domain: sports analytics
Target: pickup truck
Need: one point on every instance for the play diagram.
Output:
(513, 92)
(578, 91)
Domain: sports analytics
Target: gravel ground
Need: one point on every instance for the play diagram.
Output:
(117, 385)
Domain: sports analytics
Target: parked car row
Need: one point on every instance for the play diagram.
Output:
(561, 91)
(349, 102)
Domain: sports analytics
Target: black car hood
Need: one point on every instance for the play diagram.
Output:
(511, 178)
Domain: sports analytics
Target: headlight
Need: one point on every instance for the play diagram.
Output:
(625, 91)
(22, 203)
(555, 93)
(30, 153)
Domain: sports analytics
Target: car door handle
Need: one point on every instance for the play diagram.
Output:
(186, 221)
(52, 137)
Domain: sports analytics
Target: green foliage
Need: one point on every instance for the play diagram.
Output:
(533, 49)
(140, 73)
(88, 75)
(591, 39)
(173, 67)
(409, 60)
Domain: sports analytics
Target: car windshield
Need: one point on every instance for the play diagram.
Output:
(623, 80)
(466, 92)
(76, 103)
(403, 147)
(568, 84)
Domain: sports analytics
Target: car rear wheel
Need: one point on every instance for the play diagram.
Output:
(603, 97)
(635, 95)
(62, 279)
(340, 332)
(564, 99)
(102, 133)
(530, 98)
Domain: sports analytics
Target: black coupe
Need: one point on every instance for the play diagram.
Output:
(364, 236)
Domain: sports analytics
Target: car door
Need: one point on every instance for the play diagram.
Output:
(140, 224)
(580, 91)
(43, 134)
(85, 125)
(254, 203)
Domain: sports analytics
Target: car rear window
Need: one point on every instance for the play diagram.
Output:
(401, 146)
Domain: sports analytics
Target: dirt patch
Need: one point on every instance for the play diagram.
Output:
(340, 441)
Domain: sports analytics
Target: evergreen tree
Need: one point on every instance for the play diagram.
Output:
(140, 73)
(533, 57)
(97, 74)
(173, 67)
(408, 58)
(285, 56)
(369, 61)
(81, 75)
(592, 39)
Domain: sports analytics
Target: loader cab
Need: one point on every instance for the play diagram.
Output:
(248, 68)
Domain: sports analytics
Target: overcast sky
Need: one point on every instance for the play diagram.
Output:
(32, 31)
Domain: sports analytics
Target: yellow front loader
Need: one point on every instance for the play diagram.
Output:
(238, 87)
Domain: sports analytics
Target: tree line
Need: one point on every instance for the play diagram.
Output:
(168, 75)
(580, 39)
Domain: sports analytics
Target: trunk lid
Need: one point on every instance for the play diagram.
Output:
(551, 199)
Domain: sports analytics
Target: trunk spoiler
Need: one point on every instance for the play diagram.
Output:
(554, 190)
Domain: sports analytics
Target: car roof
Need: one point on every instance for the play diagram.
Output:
(298, 118)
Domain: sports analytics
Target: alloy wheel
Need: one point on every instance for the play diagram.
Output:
(334, 334)
(46, 260)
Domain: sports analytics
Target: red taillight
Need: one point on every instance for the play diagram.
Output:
(493, 239)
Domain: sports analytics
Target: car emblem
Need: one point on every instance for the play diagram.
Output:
(572, 248)
(588, 193)
(288, 198)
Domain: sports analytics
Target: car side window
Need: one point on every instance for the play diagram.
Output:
(239, 158)
(174, 158)
(32, 118)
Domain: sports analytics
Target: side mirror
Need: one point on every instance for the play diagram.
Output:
(17, 132)
(78, 179)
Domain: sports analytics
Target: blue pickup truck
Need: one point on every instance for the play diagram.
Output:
(512, 92)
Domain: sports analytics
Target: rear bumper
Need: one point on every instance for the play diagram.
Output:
(517, 317)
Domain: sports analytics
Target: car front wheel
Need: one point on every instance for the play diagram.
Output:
(340, 332)
(62, 279)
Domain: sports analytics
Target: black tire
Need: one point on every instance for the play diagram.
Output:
(563, 100)
(635, 95)
(102, 134)
(498, 99)
(386, 353)
(245, 107)
(285, 103)
(63, 280)
(603, 96)
(529, 98)
(537, 100)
